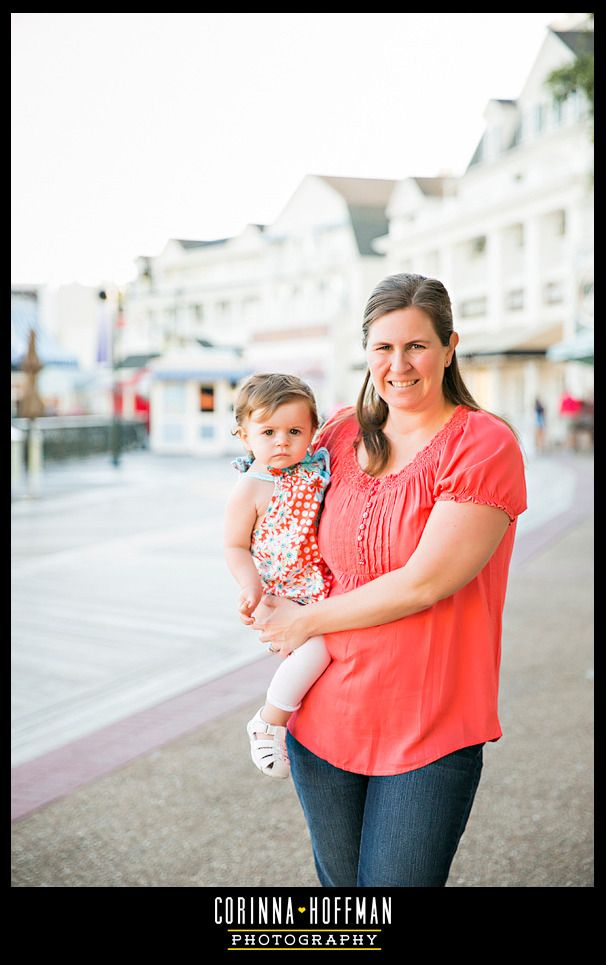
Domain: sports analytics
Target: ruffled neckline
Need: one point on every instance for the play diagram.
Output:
(423, 457)
(317, 461)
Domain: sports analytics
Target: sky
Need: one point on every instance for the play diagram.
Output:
(129, 129)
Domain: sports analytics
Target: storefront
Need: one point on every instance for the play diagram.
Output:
(191, 401)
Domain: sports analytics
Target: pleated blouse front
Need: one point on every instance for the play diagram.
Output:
(398, 696)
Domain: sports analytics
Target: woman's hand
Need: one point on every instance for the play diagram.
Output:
(282, 624)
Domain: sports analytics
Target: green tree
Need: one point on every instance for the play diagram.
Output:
(576, 76)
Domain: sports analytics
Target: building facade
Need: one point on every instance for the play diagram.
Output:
(287, 297)
(512, 240)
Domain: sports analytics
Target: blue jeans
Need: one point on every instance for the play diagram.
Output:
(397, 831)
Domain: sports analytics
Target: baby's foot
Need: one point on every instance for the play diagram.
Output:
(268, 746)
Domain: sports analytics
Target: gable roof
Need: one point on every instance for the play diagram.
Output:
(579, 41)
(362, 192)
(186, 243)
(436, 187)
(366, 200)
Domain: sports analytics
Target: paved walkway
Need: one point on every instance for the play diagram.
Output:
(134, 802)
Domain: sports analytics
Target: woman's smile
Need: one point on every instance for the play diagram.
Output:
(403, 385)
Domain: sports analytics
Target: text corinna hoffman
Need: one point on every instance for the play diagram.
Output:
(336, 911)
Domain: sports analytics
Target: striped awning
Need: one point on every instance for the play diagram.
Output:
(24, 318)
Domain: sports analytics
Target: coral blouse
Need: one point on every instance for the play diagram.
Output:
(398, 696)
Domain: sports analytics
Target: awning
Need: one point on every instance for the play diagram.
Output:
(509, 341)
(201, 374)
(577, 349)
(24, 316)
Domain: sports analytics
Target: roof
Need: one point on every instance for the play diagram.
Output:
(436, 187)
(136, 361)
(519, 340)
(366, 200)
(577, 349)
(190, 243)
(186, 243)
(24, 317)
(368, 224)
(195, 362)
(579, 41)
(362, 192)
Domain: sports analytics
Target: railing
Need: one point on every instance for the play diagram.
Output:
(72, 437)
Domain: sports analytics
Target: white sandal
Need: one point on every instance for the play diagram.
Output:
(268, 753)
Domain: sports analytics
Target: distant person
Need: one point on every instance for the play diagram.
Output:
(570, 407)
(539, 425)
(583, 422)
(271, 538)
(417, 529)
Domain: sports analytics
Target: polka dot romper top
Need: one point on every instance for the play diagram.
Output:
(284, 544)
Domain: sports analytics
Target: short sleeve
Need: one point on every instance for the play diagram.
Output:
(330, 431)
(483, 464)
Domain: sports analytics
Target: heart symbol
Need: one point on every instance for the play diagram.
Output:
(301, 910)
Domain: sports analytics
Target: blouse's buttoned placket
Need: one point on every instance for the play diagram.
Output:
(362, 527)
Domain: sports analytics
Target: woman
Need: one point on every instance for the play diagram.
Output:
(417, 529)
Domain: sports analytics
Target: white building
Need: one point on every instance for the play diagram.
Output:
(512, 240)
(211, 291)
(290, 294)
(192, 396)
(321, 267)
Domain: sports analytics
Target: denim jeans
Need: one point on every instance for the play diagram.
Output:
(399, 831)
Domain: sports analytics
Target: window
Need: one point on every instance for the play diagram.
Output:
(514, 300)
(553, 293)
(473, 307)
(207, 398)
(207, 432)
(175, 398)
(478, 245)
(539, 118)
(172, 434)
(517, 135)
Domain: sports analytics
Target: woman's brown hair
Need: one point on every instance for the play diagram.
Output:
(391, 294)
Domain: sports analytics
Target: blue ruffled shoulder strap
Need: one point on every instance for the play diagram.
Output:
(243, 464)
(319, 461)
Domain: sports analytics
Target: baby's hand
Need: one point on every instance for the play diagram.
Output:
(249, 599)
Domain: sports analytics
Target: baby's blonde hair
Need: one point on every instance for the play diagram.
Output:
(267, 392)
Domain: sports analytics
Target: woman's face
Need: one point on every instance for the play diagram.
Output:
(407, 359)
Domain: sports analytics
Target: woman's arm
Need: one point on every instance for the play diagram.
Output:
(457, 542)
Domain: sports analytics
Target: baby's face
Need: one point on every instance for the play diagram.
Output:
(281, 439)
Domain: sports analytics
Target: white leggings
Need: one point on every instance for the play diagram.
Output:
(297, 673)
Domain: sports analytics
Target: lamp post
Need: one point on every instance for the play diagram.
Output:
(32, 407)
(113, 323)
(116, 433)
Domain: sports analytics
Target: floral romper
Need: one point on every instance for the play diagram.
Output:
(284, 544)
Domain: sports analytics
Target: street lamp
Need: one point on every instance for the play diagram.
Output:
(32, 407)
(117, 323)
(116, 427)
